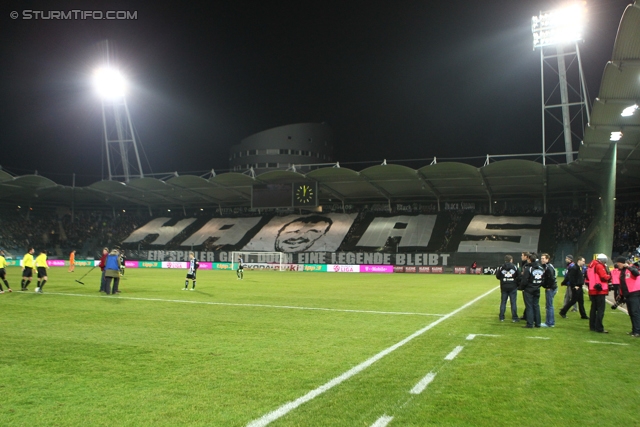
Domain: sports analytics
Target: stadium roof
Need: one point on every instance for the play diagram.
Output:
(451, 181)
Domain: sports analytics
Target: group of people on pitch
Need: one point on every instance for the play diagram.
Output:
(112, 267)
(29, 264)
(192, 269)
(623, 280)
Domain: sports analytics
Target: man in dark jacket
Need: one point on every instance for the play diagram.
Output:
(508, 275)
(550, 289)
(630, 290)
(574, 279)
(530, 283)
(524, 264)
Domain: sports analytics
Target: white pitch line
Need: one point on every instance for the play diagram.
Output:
(423, 383)
(245, 305)
(539, 338)
(290, 406)
(454, 353)
(382, 421)
(472, 336)
(611, 343)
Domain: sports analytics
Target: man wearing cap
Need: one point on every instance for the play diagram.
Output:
(574, 279)
(630, 289)
(599, 278)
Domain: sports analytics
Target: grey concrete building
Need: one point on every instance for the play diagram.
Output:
(283, 147)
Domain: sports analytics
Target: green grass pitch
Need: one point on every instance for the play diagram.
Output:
(235, 352)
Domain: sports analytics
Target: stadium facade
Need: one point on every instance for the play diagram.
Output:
(285, 147)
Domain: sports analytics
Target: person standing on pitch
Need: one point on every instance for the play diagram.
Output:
(524, 264)
(574, 279)
(3, 272)
(102, 265)
(122, 260)
(112, 271)
(532, 279)
(550, 285)
(630, 290)
(27, 270)
(41, 265)
(598, 291)
(191, 272)
(72, 261)
(239, 271)
(567, 295)
(508, 275)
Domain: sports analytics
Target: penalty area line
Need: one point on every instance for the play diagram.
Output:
(232, 304)
(290, 406)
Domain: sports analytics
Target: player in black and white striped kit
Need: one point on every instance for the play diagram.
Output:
(239, 271)
(191, 272)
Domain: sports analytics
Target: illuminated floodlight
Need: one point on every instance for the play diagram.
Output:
(629, 111)
(616, 136)
(109, 83)
(560, 26)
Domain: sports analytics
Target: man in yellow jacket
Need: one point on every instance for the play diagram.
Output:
(27, 269)
(41, 265)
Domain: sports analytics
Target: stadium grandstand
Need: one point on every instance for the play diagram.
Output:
(451, 212)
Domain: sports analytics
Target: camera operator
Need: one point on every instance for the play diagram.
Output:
(574, 279)
(598, 290)
(630, 290)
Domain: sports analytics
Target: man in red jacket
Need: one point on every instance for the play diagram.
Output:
(102, 265)
(599, 278)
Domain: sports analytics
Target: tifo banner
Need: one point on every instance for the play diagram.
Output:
(225, 231)
(156, 226)
(414, 231)
(300, 233)
(361, 258)
(488, 233)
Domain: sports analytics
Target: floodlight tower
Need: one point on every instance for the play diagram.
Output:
(120, 140)
(561, 29)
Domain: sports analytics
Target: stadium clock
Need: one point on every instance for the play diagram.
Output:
(304, 195)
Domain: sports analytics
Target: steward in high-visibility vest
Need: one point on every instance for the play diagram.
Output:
(630, 290)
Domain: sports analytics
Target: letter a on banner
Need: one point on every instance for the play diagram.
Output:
(414, 231)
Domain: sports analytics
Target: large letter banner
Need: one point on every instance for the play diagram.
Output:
(302, 233)
(228, 231)
(487, 233)
(155, 226)
(415, 231)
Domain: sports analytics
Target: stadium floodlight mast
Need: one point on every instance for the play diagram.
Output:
(120, 140)
(562, 29)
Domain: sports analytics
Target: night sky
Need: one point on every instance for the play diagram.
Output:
(394, 79)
